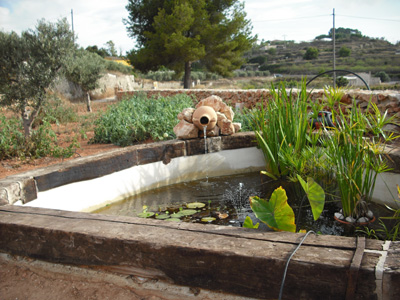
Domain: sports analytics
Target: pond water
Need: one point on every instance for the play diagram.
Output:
(224, 201)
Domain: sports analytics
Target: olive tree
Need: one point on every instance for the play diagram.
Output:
(85, 69)
(29, 64)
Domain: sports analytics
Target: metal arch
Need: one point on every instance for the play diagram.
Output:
(343, 71)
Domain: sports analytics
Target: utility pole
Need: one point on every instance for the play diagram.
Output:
(334, 50)
(72, 22)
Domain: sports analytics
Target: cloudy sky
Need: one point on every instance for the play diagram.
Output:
(98, 21)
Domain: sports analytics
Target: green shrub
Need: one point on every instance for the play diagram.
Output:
(383, 76)
(41, 143)
(138, 119)
(311, 53)
(114, 66)
(55, 111)
(342, 81)
(344, 52)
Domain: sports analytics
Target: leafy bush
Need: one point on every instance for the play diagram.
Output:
(114, 66)
(344, 52)
(55, 111)
(41, 143)
(138, 119)
(383, 76)
(311, 53)
(342, 81)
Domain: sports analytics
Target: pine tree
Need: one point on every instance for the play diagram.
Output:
(177, 33)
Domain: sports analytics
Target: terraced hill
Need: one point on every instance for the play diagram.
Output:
(366, 55)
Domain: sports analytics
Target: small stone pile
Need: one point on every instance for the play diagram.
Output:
(225, 126)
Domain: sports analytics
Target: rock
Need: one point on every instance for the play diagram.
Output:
(350, 220)
(339, 216)
(213, 101)
(370, 215)
(185, 130)
(362, 220)
(237, 126)
(221, 117)
(227, 127)
(186, 114)
(218, 105)
(211, 133)
(228, 112)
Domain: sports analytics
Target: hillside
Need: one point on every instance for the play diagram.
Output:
(366, 55)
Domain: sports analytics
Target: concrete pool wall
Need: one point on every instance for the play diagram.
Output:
(183, 261)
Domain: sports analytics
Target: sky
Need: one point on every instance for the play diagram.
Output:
(98, 21)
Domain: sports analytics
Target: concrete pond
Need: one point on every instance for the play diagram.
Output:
(47, 228)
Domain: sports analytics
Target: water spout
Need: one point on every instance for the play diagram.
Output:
(205, 139)
(239, 198)
(205, 116)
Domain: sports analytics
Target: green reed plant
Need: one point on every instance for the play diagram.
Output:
(355, 159)
(282, 127)
(333, 98)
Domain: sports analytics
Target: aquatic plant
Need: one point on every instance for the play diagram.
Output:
(278, 214)
(355, 159)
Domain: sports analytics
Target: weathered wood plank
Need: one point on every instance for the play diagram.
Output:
(233, 260)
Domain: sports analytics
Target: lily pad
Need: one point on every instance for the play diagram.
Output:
(163, 216)
(173, 220)
(188, 212)
(177, 215)
(146, 214)
(195, 205)
(208, 219)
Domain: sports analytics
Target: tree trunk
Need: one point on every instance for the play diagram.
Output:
(186, 79)
(89, 107)
(28, 117)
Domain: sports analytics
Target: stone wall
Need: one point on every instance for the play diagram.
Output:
(386, 100)
(108, 84)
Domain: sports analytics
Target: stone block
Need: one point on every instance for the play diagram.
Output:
(221, 117)
(237, 126)
(186, 130)
(210, 133)
(196, 146)
(227, 127)
(186, 114)
(238, 140)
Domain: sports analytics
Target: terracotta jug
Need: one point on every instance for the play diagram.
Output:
(205, 116)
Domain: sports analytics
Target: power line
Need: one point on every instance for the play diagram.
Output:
(289, 19)
(369, 18)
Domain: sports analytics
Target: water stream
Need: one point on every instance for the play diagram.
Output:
(205, 148)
